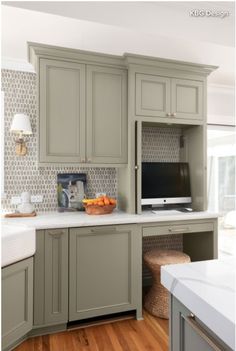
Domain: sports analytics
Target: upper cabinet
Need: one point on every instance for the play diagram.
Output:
(152, 95)
(106, 115)
(82, 113)
(187, 99)
(61, 112)
(158, 96)
(82, 107)
(88, 102)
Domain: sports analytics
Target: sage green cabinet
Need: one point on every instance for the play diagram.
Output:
(106, 115)
(61, 112)
(152, 95)
(173, 98)
(187, 332)
(17, 301)
(82, 113)
(187, 99)
(105, 271)
(51, 277)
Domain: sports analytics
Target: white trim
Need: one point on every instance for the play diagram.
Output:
(220, 88)
(165, 201)
(16, 65)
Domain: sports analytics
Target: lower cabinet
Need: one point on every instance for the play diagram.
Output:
(17, 301)
(51, 277)
(105, 266)
(86, 272)
(189, 334)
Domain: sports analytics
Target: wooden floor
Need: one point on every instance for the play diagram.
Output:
(151, 334)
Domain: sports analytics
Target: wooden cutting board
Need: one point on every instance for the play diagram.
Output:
(17, 214)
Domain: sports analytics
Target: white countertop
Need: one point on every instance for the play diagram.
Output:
(49, 220)
(207, 289)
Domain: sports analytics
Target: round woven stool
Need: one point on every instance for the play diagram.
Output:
(157, 299)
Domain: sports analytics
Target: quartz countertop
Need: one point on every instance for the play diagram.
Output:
(207, 289)
(50, 220)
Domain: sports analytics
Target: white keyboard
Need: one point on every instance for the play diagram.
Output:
(167, 212)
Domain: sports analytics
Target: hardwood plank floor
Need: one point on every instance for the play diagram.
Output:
(151, 334)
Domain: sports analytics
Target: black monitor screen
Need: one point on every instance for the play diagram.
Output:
(165, 180)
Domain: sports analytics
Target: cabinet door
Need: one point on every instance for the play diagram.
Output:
(187, 99)
(105, 263)
(17, 301)
(189, 333)
(152, 95)
(106, 115)
(62, 112)
(51, 277)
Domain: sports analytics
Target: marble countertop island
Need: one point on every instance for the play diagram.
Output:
(207, 289)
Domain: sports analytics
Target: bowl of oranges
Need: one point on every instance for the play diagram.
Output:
(99, 206)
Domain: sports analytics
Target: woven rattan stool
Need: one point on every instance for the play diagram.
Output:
(157, 299)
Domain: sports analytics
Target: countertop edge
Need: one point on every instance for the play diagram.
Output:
(69, 220)
(192, 301)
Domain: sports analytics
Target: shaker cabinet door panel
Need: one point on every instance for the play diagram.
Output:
(51, 277)
(187, 98)
(102, 271)
(62, 111)
(152, 95)
(17, 301)
(56, 275)
(106, 115)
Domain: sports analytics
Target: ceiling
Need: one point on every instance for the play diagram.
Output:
(156, 17)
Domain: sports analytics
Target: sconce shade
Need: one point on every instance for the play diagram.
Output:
(21, 124)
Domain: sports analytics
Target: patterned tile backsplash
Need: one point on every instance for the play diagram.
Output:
(22, 173)
(160, 144)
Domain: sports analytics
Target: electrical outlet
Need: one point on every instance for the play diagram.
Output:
(37, 198)
(15, 200)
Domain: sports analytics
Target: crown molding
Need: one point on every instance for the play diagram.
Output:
(16, 65)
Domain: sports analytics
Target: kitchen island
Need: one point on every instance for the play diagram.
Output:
(202, 308)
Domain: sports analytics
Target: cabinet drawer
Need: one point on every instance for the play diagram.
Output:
(177, 229)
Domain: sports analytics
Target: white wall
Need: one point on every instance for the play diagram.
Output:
(20, 26)
(221, 104)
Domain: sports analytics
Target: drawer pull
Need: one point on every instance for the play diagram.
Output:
(56, 234)
(203, 333)
(104, 231)
(179, 230)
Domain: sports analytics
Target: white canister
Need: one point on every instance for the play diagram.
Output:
(25, 206)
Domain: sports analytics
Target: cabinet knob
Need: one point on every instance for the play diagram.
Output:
(89, 160)
(168, 114)
(173, 114)
(136, 167)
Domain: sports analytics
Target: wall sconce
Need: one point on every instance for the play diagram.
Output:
(21, 125)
